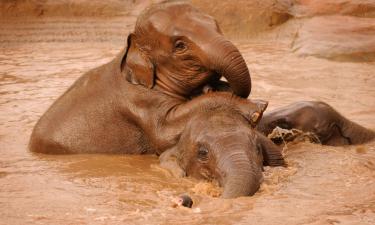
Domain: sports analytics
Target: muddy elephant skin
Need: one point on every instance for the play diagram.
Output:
(219, 145)
(139, 102)
(319, 118)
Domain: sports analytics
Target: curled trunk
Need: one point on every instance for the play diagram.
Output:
(227, 61)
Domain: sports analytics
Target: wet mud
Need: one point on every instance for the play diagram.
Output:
(40, 57)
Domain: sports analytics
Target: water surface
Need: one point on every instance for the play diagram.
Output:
(41, 58)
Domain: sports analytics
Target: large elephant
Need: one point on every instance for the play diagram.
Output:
(319, 118)
(139, 102)
(221, 145)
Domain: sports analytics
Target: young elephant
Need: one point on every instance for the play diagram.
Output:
(220, 145)
(319, 118)
(139, 102)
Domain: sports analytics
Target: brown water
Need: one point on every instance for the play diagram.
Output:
(40, 58)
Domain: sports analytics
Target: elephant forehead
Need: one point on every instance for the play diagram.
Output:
(224, 140)
(212, 131)
(187, 23)
(218, 119)
(161, 22)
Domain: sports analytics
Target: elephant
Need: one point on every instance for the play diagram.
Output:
(317, 117)
(220, 145)
(139, 102)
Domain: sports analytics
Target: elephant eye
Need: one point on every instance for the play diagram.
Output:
(179, 46)
(202, 153)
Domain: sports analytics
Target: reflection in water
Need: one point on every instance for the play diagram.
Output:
(322, 185)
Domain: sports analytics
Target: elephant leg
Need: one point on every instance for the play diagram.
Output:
(272, 154)
(336, 137)
(168, 160)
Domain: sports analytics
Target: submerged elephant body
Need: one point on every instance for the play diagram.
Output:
(319, 118)
(138, 103)
(93, 116)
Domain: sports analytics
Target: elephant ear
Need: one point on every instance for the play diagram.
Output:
(169, 160)
(256, 116)
(272, 155)
(136, 65)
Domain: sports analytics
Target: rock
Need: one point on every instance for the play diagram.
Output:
(246, 18)
(342, 38)
(309, 8)
(342, 30)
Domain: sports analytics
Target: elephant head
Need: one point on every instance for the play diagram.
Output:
(178, 49)
(221, 146)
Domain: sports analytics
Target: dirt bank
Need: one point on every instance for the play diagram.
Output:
(37, 8)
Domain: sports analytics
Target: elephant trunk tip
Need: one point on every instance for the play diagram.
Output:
(242, 185)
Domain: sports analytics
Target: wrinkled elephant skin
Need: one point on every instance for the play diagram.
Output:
(219, 145)
(138, 103)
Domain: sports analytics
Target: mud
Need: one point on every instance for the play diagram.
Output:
(42, 55)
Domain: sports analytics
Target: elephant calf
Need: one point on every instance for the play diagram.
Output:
(319, 118)
(220, 145)
(140, 101)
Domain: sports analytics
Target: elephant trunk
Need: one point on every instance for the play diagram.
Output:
(241, 176)
(227, 61)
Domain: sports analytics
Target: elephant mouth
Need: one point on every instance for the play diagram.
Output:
(171, 89)
(184, 84)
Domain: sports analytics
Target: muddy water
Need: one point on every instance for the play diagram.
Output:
(39, 59)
